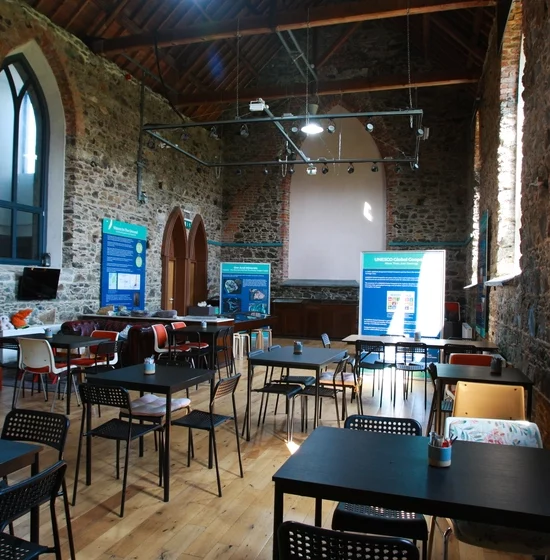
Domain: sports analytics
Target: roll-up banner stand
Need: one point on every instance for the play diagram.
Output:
(123, 264)
(402, 292)
(245, 287)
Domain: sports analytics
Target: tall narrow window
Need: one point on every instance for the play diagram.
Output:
(23, 153)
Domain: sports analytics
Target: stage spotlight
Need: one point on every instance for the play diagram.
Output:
(244, 132)
(294, 129)
(351, 169)
(214, 133)
(374, 168)
(324, 171)
(311, 169)
(397, 168)
(420, 132)
(291, 170)
(238, 172)
(369, 127)
(415, 166)
(266, 171)
(331, 129)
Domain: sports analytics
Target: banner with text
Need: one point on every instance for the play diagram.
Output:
(123, 264)
(245, 287)
(402, 292)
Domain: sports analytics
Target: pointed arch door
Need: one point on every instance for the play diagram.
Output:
(198, 262)
(174, 254)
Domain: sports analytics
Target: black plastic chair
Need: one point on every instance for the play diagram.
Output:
(201, 420)
(411, 358)
(370, 356)
(117, 429)
(304, 542)
(281, 387)
(16, 500)
(225, 348)
(377, 520)
(449, 349)
(44, 428)
(445, 404)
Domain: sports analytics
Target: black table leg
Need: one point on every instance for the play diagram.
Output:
(277, 519)
(35, 511)
(167, 430)
(317, 399)
(69, 381)
(248, 400)
(88, 445)
(318, 512)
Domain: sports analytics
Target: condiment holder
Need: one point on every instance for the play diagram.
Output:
(297, 347)
(48, 333)
(149, 366)
(204, 324)
(439, 451)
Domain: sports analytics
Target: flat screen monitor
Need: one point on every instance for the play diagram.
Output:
(38, 283)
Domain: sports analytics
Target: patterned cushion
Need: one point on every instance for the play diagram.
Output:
(153, 405)
(486, 430)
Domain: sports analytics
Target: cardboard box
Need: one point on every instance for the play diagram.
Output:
(196, 311)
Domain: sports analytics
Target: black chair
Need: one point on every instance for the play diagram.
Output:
(411, 358)
(18, 499)
(106, 357)
(330, 384)
(304, 542)
(445, 404)
(44, 428)
(377, 520)
(449, 349)
(370, 356)
(281, 387)
(201, 420)
(224, 347)
(116, 429)
(195, 350)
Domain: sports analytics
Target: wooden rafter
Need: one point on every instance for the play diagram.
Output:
(286, 21)
(474, 51)
(356, 85)
(102, 25)
(338, 44)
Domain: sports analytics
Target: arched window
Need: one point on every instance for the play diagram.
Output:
(23, 160)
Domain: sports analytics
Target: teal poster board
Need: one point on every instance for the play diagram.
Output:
(123, 264)
(245, 287)
(402, 292)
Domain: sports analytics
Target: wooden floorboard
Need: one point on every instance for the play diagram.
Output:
(196, 524)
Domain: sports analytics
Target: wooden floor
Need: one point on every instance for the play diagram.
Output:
(196, 523)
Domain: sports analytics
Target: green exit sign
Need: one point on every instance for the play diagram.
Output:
(187, 223)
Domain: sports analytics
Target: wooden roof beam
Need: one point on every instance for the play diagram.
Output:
(355, 85)
(285, 21)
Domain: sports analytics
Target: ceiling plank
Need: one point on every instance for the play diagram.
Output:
(356, 85)
(473, 50)
(285, 21)
(102, 26)
(338, 44)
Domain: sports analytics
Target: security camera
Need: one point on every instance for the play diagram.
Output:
(311, 169)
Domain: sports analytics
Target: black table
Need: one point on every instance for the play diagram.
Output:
(310, 358)
(499, 484)
(438, 343)
(15, 455)
(451, 374)
(167, 380)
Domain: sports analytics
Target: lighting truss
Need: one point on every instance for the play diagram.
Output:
(414, 115)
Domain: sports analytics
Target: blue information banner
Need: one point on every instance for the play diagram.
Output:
(123, 264)
(402, 292)
(245, 287)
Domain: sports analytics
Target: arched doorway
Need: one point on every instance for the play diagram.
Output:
(174, 263)
(198, 262)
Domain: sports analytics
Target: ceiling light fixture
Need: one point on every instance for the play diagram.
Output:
(369, 127)
(244, 132)
(324, 171)
(374, 168)
(415, 166)
(312, 128)
(331, 129)
(351, 169)
(311, 169)
(294, 129)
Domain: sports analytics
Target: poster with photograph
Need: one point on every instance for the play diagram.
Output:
(245, 288)
(123, 264)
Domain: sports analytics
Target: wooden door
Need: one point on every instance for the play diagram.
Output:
(174, 264)
(198, 262)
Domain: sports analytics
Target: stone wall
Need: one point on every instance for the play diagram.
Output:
(102, 118)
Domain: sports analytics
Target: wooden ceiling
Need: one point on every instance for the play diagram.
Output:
(209, 53)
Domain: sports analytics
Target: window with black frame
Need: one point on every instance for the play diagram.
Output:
(23, 156)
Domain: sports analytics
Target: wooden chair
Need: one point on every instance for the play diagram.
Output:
(489, 400)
